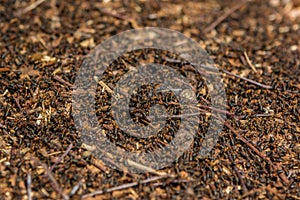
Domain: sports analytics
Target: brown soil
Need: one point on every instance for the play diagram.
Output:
(256, 45)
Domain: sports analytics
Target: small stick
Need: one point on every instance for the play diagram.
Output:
(243, 60)
(17, 102)
(31, 7)
(124, 186)
(218, 110)
(114, 15)
(225, 15)
(107, 158)
(231, 114)
(54, 153)
(55, 184)
(277, 167)
(173, 181)
(203, 99)
(29, 186)
(179, 80)
(248, 80)
(5, 69)
(52, 180)
(76, 188)
(144, 168)
(61, 158)
(181, 115)
(262, 115)
(184, 62)
(105, 86)
(249, 62)
(100, 166)
(184, 115)
(238, 173)
(59, 79)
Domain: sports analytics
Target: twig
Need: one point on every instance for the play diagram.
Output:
(248, 80)
(172, 181)
(31, 7)
(208, 68)
(195, 65)
(59, 79)
(238, 173)
(99, 166)
(107, 158)
(17, 103)
(249, 62)
(76, 188)
(105, 86)
(29, 186)
(183, 115)
(262, 115)
(277, 168)
(124, 186)
(144, 168)
(55, 184)
(218, 110)
(243, 60)
(114, 15)
(54, 153)
(61, 158)
(5, 69)
(225, 15)
(52, 180)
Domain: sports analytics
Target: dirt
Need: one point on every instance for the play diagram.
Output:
(255, 45)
